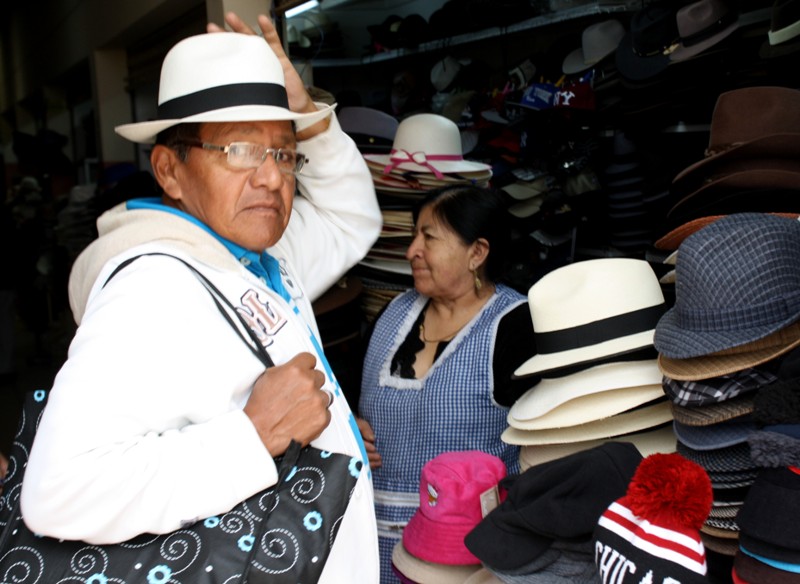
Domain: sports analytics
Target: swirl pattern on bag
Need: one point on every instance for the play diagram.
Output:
(293, 524)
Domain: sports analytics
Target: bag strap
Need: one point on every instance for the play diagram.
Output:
(224, 306)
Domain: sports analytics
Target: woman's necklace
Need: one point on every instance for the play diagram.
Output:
(445, 338)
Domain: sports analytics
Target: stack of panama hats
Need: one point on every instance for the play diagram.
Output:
(594, 322)
(426, 153)
(751, 162)
(542, 531)
(736, 313)
(457, 489)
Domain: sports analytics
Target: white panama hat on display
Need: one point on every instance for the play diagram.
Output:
(427, 143)
(592, 394)
(219, 77)
(647, 416)
(661, 439)
(590, 311)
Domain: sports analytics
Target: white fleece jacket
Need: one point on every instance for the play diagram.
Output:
(144, 429)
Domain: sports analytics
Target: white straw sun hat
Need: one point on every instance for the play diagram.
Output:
(592, 394)
(427, 143)
(592, 310)
(219, 77)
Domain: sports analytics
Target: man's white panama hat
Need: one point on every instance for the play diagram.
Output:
(219, 77)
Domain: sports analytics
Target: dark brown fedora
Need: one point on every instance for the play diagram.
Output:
(750, 122)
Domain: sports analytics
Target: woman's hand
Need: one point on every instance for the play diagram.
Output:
(369, 443)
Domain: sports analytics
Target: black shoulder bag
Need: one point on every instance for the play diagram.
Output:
(282, 534)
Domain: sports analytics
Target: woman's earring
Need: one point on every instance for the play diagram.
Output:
(478, 282)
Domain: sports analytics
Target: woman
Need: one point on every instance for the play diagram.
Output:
(437, 372)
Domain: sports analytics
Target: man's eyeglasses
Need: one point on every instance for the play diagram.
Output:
(249, 155)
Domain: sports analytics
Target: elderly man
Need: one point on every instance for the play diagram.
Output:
(161, 414)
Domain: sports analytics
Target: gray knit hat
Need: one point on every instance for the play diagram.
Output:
(737, 281)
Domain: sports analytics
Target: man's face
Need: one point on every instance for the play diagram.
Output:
(249, 206)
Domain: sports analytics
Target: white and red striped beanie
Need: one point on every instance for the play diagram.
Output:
(652, 534)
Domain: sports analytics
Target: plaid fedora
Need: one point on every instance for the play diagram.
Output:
(737, 281)
(714, 390)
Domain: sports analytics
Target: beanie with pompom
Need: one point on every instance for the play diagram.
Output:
(652, 534)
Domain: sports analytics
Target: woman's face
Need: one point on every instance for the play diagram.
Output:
(440, 260)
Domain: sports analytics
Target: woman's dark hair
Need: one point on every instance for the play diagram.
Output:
(473, 213)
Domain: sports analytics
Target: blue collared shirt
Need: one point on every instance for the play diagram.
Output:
(263, 265)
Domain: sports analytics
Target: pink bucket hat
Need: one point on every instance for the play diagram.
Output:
(454, 490)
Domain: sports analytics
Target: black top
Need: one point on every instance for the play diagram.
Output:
(515, 344)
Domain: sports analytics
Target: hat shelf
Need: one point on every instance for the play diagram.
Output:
(564, 15)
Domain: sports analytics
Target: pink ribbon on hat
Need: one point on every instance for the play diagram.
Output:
(398, 157)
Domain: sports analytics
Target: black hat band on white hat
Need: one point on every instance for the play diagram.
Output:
(724, 22)
(224, 96)
(599, 331)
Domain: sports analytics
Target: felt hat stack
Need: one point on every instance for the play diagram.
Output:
(736, 313)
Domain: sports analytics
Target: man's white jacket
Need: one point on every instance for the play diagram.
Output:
(144, 429)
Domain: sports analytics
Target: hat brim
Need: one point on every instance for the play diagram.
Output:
(146, 132)
(443, 166)
(421, 571)
(772, 146)
(732, 360)
(634, 67)
(591, 408)
(618, 425)
(438, 543)
(544, 363)
(683, 52)
(661, 440)
(549, 394)
(712, 414)
(713, 436)
(674, 341)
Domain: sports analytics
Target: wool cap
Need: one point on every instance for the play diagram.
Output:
(558, 500)
(737, 281)
(652, 534)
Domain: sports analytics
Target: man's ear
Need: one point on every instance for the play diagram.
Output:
(165, 163)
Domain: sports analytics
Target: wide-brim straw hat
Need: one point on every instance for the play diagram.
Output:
(585, 396)
(427, 143)
(219, 77)
(647, 416)
(592, 310)
(647, 442)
